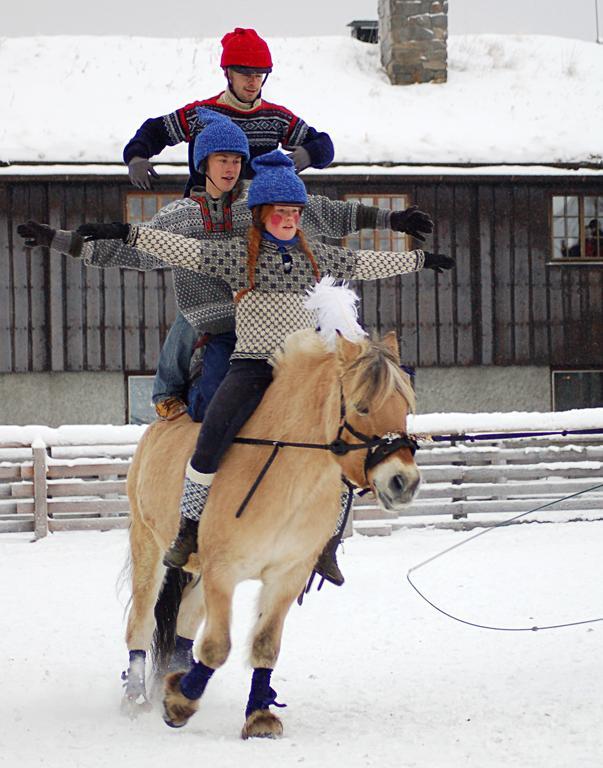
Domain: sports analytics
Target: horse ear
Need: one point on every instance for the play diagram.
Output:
(346, 349)
(390, 340)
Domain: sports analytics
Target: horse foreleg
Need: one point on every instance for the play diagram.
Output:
(182, 691)
(147, 576)
(276, 597)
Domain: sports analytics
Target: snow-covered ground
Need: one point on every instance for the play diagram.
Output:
(508, 99)
(372, 675)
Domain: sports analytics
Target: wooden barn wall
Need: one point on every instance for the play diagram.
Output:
(502, 305)
(58, 315)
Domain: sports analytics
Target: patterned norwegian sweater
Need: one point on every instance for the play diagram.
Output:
(275, 308)
(266, 125)
(206, 300)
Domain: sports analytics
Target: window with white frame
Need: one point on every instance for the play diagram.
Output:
(142, 206)
(577, 232)
(577, 389)
(379, 239)
(140, 403)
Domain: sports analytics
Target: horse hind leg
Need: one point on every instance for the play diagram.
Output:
(182, 691)
(190, 615)
(147, 576)
(276, 597)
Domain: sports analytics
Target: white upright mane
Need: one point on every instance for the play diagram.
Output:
(337, 309)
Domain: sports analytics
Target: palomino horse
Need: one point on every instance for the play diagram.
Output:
(351, 392)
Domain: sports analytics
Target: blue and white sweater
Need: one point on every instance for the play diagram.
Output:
(206, 300)
(266, 315)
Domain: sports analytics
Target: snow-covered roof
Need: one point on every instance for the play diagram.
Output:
(508, 99)
(181, 170)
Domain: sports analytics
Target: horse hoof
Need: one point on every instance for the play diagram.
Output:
(172, 724)
(132, 706)
(262, 724)
(177, 708)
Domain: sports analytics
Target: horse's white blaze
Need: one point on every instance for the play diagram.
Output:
(395, 483)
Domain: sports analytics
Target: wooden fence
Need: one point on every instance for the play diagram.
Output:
(47, 488)
(494, 482)
(47, 493)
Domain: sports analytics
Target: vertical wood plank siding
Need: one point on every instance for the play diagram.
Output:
(503, 304)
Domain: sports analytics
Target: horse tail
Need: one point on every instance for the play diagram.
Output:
(166, 614)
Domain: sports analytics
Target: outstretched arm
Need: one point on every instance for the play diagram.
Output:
(338, 218)
(101, 254)
(346, 264)
(216, 258)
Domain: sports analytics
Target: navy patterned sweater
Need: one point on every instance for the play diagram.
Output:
(266, 125)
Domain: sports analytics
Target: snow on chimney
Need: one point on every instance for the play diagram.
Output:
(413, 35)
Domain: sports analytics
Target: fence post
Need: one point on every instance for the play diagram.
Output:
(38, 449)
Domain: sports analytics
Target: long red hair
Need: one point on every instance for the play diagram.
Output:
(254, 239)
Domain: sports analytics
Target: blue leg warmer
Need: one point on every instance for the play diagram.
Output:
(193, 683)
(261, 696)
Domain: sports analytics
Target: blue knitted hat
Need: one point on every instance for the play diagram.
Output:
(219, 134)
(275, 181)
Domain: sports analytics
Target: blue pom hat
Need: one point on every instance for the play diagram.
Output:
(275, 181)
(219, 134)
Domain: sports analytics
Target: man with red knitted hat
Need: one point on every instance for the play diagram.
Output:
(246, 62)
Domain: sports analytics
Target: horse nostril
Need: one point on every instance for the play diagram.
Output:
(397, 484)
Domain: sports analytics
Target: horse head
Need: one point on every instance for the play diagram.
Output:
(376, 399)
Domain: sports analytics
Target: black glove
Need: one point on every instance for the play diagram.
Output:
(412, 221)
(115, 231)
(437, 261)
(36, 234)
(140, 170)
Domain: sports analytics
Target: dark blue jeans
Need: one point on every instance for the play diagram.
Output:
(214, 367)
(172, 377)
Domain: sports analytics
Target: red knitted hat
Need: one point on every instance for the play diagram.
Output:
(245, 48)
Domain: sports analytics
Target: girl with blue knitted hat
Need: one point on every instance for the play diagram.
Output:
(270, 271)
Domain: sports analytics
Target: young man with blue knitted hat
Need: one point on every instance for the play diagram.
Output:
(246, 63)
(270, 297)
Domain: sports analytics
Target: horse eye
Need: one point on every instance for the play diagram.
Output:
(361, 409)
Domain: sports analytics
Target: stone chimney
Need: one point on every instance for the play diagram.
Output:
(413, 35)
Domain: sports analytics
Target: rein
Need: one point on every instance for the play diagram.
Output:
(463, 437)
(377, 448)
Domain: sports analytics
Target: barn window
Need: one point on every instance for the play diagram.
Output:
(142, 206)
(577, 228)
(577, 389)
(140, 405)
(379, 239)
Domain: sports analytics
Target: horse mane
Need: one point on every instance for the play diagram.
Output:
(374, 375)
(371, 378)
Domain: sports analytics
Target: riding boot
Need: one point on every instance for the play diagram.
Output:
(326, 565)
(192, 504)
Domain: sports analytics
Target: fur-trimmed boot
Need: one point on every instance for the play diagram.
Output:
(192, 504)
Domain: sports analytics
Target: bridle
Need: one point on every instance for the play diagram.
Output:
(377, 449)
